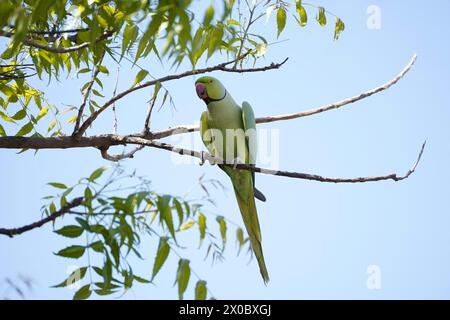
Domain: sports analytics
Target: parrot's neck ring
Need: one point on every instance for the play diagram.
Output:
(208, 100)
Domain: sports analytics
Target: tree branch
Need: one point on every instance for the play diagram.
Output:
(220, 67)
(65, 209)
(298, 175)
(192, 128)
(102, 142)
(37, 45)
(118, 157)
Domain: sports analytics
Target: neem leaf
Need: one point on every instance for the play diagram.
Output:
(200, 290)
(71, 231)
(301, 14)
(75, 276)
(161, 255)
(83, 293)
(140, 76)
(183, 275)
(321, 17)
(281, 20)
(72, 252)
(202, 226)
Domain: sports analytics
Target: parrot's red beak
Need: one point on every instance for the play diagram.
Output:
(201, 91)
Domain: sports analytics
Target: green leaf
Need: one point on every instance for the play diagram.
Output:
(97, 246)
(338, 28)
(72, 119)
(202, 226)
(140, 76)
(233, 22)
(83, 293)
(5, 117)
(20, 114)
(166, 213)
(71, 231)
(25, 129)
(161, 255)
(98, 94)
(115, 251)
(42, 113)
(103, 69)
(140, 279)
(2, 131)
(200, 290)
(72, 252)
(74, 277)
(97, 173)
(303, 16)
(321, 17)
(179, 209)
(240, 238)
(57, 185)
(223, 230)
(85, 70)
(209, 15)
(281, 20)
(183, 276)
(187, 225)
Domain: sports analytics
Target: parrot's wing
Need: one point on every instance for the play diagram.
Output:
(206, 134)
(248, 119)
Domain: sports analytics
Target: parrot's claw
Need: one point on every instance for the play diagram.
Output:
(236, 162)
(202, 159)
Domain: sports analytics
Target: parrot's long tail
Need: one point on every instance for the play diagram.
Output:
(250, 217)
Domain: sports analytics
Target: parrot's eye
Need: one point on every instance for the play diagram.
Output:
(210, 81)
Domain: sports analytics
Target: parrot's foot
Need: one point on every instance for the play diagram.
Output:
(236, 162)
(202, 159)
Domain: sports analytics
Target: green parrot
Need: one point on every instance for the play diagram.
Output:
(229, 132)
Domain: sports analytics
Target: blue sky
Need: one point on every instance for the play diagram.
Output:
(319, 239)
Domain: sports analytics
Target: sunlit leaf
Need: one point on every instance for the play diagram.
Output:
(281, 20)
(161, 255)
(74, 277)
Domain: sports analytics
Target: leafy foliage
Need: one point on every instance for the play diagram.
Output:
(112, 226)
(49, 40)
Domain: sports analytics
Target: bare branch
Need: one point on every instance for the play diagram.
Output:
(65, 209)
(104, 141)
(341, 103)
(298, 175)
(115, 125)
(220, 67)
(192, 128)
(149, 114)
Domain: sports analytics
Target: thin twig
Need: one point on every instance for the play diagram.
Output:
(66, 208)
(149, 114)
(341, 103)
(220, 67)
(87, 94)
(305, 176)
(118, 157)
(115, 125)
(192, 128)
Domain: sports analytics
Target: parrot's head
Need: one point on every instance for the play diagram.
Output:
(210, 89)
